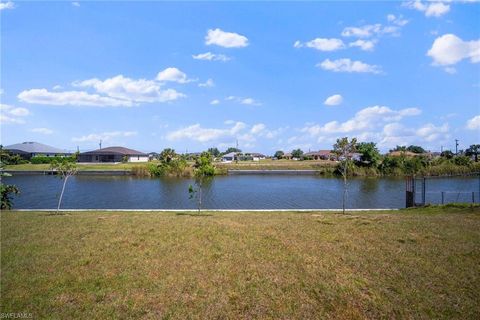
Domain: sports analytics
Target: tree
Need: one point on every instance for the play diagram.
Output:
(6, 190)
(65, 169)
(447, 154)
(473, 150)
(462, 160)
(370, 153)
(399, 148)
(231, 149)
(344, 149)
(167, 155)
(279, 154)
(415, 149)
(214, 152)
(203, 171)
(297, 153)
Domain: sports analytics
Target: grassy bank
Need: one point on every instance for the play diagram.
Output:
(421, 263)
(279, 165)
(321, 166)
(81, 167)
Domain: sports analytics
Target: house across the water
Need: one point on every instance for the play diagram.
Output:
(113, 154)
(28, 150)
(321, 155)
(255, 156)
(230, 157)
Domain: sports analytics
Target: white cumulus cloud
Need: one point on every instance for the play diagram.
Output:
(365, 45)
(11, 114)
(7, 5)
(74, 98)
(347, 65)
(207, 84)
(430, 8)
(225, 39)
(174, 75)
(474, 123)
(250, 101)
(450, 49)
(118, 91)
(246, 101)
(134, 90)
(334, 100)
(211, 57)
(322, 44)
(257, 128)
(369, 30)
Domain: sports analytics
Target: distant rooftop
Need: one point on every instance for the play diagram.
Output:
(35, 147)
(231, 154)
(319, 153)
(117, 150)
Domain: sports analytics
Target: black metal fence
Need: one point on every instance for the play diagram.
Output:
(463, 188)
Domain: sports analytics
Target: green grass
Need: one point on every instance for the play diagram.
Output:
(422, 264)
(81, 167)
(269, 164)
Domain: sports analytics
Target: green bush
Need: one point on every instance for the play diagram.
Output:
(48, 160)
(462, 161)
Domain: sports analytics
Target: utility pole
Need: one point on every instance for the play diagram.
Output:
(456, 146)
(100, 144)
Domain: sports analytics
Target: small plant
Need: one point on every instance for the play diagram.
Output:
(344, 150)
(65, 169)
(203, 172)
(6, 191)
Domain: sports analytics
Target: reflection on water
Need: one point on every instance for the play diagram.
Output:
(224, 192)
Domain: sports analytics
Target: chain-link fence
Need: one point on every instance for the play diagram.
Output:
(442, 189)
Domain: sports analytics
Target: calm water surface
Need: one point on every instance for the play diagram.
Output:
(227, 192)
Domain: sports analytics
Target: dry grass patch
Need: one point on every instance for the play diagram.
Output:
(408, 264)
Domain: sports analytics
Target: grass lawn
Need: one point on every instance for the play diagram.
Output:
(421, 264)
(81, 167)
(245, 165)
(269, 164)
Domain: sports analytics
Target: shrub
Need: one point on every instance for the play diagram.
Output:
(49, 160)
(462, 161)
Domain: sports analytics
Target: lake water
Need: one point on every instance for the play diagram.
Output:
(228, 192)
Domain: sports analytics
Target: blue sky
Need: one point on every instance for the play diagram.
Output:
(274, 76)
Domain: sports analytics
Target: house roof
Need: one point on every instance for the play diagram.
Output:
(35, 147)
(319, 153)
(255, 154)
(115, 150)
(231, 154)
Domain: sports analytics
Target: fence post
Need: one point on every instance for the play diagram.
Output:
(443, 197)
(473, 197)
(423, 190)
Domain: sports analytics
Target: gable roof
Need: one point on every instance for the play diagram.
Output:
(230, 155)
(319, 153)
(35, 147)
(116, 150)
